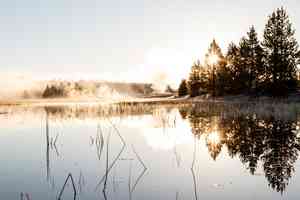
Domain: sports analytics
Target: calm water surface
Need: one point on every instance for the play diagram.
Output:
(157, 152)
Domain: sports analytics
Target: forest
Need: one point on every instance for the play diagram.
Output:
(251, 67)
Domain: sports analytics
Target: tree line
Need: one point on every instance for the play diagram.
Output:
(252, 67)
(90, 88)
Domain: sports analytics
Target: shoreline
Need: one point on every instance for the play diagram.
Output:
(243, 99)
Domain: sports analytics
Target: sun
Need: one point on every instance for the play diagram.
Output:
(213, 59)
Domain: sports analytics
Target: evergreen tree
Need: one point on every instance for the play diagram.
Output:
(215, 63)
(194, 81)
(204, 79)
(183, 90)
(223, 80)
(235, 69)
(281, 53)
(251, 56)
(256, 59)
(214, 49)
(245, 64)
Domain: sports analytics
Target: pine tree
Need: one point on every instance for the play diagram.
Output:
(251, 54)
(256, 55)
(215, 63)
(235, 69)
(194, 82)
(183, 90)
(214, 49)
(281, 53)
(245, 63)
(46, 92)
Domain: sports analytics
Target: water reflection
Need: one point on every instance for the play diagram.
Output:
(265, 142)
(272, 141)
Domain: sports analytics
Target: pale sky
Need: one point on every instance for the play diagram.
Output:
(131, 40)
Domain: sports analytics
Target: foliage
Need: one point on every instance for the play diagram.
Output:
(61, 89)
(183, 90)
(245, 62)
(251, 67)
(54, 91)
(215, 63)
(281, 53)
(194, 81)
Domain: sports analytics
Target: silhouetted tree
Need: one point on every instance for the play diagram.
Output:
(215, 64)
(251, 54)
(194, 81)
(251, 67)
(233, 65)
(55, 91)
(281, 53)
(46, 92)
(183, 90)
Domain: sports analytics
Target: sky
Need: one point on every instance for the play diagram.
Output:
(125, 40)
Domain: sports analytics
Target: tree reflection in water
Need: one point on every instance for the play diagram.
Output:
(270, 140)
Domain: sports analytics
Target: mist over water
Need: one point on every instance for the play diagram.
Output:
(32, 85)
(15, 87)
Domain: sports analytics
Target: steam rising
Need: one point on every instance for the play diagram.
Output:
(25, 87)
(18, 86)
(158, 68)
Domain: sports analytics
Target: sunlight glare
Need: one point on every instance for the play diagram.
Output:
(166, 139)
(213, 59)
(213, 138)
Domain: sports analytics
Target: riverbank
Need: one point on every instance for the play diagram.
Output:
(294, 98)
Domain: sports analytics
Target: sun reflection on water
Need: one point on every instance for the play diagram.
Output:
(213, 138)
(168, 138)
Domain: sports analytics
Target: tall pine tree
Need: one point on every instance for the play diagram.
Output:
(215, 63)
(253, 55)
(281, 53)
(194, 82)
(235, 69)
